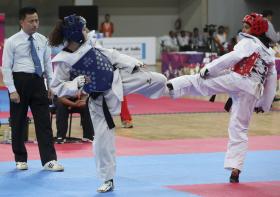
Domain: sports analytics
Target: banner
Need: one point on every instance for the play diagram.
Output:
(142, 48)
(175, 64)
(2, 35)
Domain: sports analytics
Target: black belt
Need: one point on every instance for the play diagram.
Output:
(107, 114)
(228, 104)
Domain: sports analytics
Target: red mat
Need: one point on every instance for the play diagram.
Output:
(139, 104)
(128, 146)
(254, 189)
(7, 114)
(62, 150)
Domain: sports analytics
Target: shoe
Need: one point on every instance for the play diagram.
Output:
(53, 166)
(127, 124)
(21, 165)
(59, 140)
(107, 186)
(84, 139)
(234, 177)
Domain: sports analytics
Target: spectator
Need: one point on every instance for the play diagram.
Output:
(171, 43)
(221, 40)
(26, 60)
(196, 39)
(63, 105)
(178, 25)
(107, 27)
(183, 40)
(271, 33)
(233, 42)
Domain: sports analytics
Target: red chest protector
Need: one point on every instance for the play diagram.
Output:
(245, 66)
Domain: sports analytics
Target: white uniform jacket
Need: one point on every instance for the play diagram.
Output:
(63, 61)
(245, 48)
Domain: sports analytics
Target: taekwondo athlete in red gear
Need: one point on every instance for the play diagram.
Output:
(248, 75)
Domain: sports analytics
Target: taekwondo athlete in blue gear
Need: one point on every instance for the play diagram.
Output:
(106, 75)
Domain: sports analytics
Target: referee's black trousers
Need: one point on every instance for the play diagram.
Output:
(33, 94)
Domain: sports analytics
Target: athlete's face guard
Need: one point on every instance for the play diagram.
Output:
(257, 23)
(73, 28)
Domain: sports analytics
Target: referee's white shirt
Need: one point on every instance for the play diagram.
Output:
(17, 57)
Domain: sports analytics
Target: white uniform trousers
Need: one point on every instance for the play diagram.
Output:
(238, 88)
(150, 84)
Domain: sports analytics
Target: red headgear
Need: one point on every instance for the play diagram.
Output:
(258, 24)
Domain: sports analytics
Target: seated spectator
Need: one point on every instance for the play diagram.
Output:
(196, 39)
(183, 40)
(231, 44)
(221, 40)
(205, 40)
(170, 43)
(63, 105)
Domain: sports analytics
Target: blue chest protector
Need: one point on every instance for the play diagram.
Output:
(97, 67)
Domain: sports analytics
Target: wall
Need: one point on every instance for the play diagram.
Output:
(228, 13)
(139, 18)
(260, 5)
(48, 13)
(193, 14)
(148, 17)
(231, 12)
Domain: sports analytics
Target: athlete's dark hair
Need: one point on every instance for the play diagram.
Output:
(264, 39)
(56, 35)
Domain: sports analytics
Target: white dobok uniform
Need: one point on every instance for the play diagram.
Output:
(254, 89)
(129, 77)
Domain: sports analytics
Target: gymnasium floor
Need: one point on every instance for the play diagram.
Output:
(152, 167)
(148, 168)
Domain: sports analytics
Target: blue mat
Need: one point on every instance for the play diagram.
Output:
(4, 105)
(137, 176)
(4, 101)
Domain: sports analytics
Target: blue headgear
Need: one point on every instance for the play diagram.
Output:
(72, 28)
